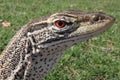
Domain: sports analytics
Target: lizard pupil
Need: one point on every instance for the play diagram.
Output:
(60, 24)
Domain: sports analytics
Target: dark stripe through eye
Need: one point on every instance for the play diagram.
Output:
(70, 23)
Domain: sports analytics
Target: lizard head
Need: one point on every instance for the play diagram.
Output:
(49, 37)
(70, 27)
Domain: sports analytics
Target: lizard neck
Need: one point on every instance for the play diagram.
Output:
(24, 61)
(19, 62)
(41, 62)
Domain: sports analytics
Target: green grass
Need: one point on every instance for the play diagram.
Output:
(95, 59)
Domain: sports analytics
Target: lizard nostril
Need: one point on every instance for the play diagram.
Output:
(97, 18)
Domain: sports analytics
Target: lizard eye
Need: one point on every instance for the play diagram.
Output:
(60, 23)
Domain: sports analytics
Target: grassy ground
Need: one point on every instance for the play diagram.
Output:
(95, 59)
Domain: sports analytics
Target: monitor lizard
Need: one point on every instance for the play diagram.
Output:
(38, 45)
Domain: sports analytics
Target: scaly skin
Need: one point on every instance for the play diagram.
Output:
(38, 46)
